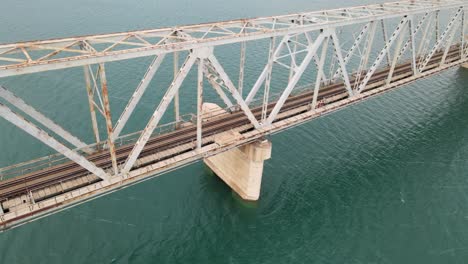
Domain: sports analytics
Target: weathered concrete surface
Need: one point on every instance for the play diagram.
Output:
(242, 168)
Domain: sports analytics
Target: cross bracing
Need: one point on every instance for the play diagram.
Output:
(53, 54)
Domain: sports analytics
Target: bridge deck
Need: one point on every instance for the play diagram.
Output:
(49, 182)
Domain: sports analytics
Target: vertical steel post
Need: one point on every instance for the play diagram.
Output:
(92, 110)
(424, 36)
(370, 43)
(401, 38)
(240, 86)
(384, 32)
(448, 44)
(319, 73)
(200, 102)
(293, 58)
(266, 92)
(412, 32)
(107, 112)
(341, 63)
(176, 96)
(463, 29)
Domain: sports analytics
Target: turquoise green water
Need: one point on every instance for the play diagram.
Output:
(385, 181)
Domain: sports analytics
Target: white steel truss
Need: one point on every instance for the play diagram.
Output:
(298, 43)
(314, 63)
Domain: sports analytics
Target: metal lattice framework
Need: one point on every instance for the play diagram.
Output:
(297, 43)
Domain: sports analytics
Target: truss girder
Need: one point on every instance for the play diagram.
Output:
(297, 42)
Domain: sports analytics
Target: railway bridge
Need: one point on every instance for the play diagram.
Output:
(312, 64)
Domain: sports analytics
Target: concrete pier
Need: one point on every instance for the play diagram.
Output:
(242, 168)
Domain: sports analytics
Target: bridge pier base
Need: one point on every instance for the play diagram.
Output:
(242, 168)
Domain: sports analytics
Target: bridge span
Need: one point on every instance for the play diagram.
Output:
(315, 63)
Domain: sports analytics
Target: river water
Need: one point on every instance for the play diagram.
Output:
(385, 181)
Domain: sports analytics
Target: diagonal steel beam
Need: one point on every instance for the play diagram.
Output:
(341, 62)
(42, 119)
(234, 92)
(217, 87)
(427, 30)
(264, 73)
(413, 30)
(157, 115)
(353, 48)
(319, 73)
(441, 39)
(382, 54)
(295, 79)
(140, 90)
(365, 54)
(449, 42)
(396, 56)
(41, 135)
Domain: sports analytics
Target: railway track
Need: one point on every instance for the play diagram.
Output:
(21, 185)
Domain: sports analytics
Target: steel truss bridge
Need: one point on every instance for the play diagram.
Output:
(314, 63)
